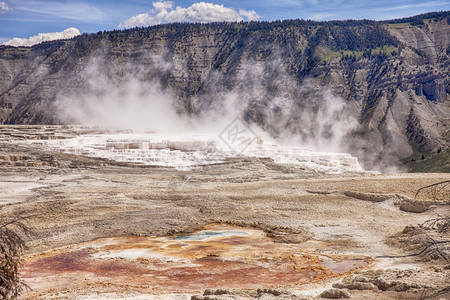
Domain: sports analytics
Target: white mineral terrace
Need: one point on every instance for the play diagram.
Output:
(185, 152)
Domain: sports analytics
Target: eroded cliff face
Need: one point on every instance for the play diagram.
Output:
(392, 79)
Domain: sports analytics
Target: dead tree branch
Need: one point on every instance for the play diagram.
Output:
(435, 189)
(12, 242)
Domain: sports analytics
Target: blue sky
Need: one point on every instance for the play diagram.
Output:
(25, 18)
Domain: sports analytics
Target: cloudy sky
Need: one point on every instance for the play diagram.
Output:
(33, 21)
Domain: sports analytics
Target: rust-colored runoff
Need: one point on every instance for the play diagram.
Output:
(231, 257)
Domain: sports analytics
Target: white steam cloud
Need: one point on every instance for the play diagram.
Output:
(43, 37)
(128, 102)
(130, 97)
(264, 93)
(202, 12)
(4, 7)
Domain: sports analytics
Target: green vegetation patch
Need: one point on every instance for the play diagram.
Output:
(326, 55)
(426, 21)
(400, 25)
(388, 50)
(438, 162)
(356, 54)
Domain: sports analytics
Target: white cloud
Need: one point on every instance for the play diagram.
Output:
(419, 5)
(70, 10)
(202, 12)
(160, 5)
(251, 15)
(4, 7)
(42, 37)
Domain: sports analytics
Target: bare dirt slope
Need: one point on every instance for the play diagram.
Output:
(72, 199)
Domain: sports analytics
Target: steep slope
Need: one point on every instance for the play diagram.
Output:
(303, 78)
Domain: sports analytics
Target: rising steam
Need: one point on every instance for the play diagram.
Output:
(126, 99)
(264, 94)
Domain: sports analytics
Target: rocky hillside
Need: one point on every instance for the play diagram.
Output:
(382, 87)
